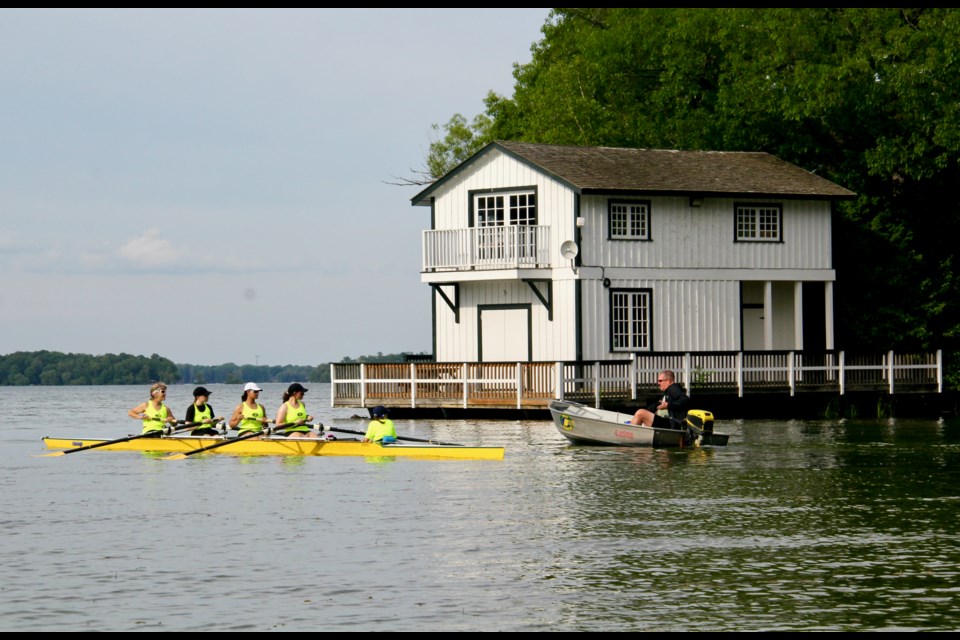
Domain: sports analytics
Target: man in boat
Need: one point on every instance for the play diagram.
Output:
(670, 411)
(380, 428)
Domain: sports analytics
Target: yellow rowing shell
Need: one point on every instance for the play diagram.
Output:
(287, 447)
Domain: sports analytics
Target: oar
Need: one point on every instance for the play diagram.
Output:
(223, 443)
(188, 425)
(363, 433)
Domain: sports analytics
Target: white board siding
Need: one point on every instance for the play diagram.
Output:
(703, 237)
(550, 340)
(698, 315)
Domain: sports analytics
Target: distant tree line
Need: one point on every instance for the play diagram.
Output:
(25, 368)
(231, 373)
(51, 368)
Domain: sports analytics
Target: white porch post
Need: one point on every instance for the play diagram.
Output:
(828, 313)
(768, 315)
(363, 384)
(413, 385)
(798, 316)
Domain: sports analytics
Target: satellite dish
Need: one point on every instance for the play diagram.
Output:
(569, 250)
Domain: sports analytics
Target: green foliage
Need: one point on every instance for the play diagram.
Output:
(405, 356)
(868, 98)
(231, 373)
(700, 377)
(459, 142)
(832, 408)
(885, 407)
(54, 368)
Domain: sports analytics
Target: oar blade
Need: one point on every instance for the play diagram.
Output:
(175, 456)
(50, 455)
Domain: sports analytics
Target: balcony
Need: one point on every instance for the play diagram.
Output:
(476, 248)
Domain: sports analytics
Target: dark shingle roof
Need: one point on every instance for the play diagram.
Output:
(659, 171)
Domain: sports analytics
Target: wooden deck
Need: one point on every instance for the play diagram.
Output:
(532, 385)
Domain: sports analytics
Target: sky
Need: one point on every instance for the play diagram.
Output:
(214, 185)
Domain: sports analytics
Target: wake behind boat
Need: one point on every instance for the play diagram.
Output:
(278, 445)
(581, 424)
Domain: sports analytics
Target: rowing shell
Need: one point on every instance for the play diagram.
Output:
(273, 446)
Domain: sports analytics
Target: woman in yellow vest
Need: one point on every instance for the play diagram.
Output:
(294, 410)
(154, 412)
(250, 415)
(202, 411)
(380, 428)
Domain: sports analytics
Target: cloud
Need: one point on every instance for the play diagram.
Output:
(150, 250)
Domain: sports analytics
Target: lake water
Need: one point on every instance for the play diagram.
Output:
(795, 526)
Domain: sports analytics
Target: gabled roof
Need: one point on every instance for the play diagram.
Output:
(611, 170)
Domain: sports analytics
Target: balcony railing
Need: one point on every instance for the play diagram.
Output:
(531, 385)
(504, 247)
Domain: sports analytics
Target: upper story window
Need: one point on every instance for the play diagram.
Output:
(629, 220)
(506, 208)
(759, 222)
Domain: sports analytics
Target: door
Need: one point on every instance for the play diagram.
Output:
(752, 316)
(505, 333)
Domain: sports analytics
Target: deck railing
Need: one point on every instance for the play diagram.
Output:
(532, 385)
(503, 247)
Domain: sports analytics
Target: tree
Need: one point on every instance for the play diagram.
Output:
(868, 98)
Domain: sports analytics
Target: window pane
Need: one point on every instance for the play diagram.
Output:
(506, 208)
(630, 320)
(629, 220)
(758, 223)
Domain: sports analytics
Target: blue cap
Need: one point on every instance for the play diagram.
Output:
(380, 411)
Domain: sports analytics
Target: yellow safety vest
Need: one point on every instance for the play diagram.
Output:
(251, 419)
(377, 429)
(155, 418)
(294, 414)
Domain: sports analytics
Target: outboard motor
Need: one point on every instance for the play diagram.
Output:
(700, 419)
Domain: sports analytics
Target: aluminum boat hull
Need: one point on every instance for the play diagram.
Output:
(581, 424)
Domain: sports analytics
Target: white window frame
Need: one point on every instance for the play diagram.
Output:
(501, 208)
(631, 320)
(628, 219)
(758, 222)
(493, 211)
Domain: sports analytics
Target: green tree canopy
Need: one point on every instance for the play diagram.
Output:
(867, 98)
(54, 368)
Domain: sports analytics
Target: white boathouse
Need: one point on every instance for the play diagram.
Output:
(563, 270)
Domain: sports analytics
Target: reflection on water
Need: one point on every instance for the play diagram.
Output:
(794, 526)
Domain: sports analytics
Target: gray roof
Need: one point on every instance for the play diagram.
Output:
(663, 172)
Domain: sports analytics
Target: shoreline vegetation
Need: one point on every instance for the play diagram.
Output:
(53, 368)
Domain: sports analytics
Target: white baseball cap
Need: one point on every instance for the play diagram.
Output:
(251, 386)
